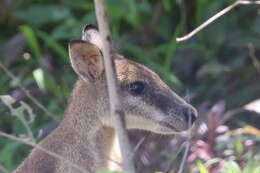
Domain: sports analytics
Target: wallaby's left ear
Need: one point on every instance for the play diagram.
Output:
(90, 33)
(86, 60)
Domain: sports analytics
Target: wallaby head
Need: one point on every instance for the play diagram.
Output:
(86, 136)
(149, 104)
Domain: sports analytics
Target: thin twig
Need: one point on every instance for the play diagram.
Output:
(115, 107)
(28, 129)
(140, 142)
(19, 113)
(184, 158)
(27, 93)
(186, 150)
(180, 144)
(42, 149)
(229, 114)
(253, 57)
(215, 17)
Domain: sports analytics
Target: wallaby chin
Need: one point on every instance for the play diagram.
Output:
(85, 139)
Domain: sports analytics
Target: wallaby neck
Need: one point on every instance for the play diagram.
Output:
(94, 141)
(90, 151)
(80, 138)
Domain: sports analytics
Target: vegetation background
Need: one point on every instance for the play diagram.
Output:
(217, 70)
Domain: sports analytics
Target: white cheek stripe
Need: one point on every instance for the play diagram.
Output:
(146, 118)
(144, 122)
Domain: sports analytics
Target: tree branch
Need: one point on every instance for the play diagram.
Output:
(215, 17)
(187, 148)
(27, 93)
(115, 107)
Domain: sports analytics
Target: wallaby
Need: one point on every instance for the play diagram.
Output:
(86, 135)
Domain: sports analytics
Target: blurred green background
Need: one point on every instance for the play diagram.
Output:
(217, 71)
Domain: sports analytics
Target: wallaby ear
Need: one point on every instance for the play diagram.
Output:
(86, 60)
(90, 33)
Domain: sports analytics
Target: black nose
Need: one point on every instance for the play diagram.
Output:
(189, 115)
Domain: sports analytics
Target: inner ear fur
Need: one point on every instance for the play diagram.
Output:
(86, 60)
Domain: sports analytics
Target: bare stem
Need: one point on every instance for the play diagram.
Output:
(27, 93)
(15, 112)
(115, 107)
(215, 17)
(138, 145)
(253, 57)
(186, 150)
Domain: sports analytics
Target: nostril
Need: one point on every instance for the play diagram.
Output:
(189, 115)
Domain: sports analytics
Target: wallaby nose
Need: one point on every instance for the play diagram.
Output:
(190, 114)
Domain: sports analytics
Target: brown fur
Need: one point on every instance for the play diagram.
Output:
(86, 135)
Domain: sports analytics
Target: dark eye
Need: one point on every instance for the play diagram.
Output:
(136, 87)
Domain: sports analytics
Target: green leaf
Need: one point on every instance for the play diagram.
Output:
(8, 152)
(239, 148)
(66, 30)
(39, 78)
(251, 166)
(232, 167)
(117, 12)
(172, 47)
(201, 167)
(54, 45)
(45, 81)
(39, 15)
(167, 4)
(133, 16)
(32, 40)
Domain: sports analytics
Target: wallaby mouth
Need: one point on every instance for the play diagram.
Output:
(179, 121)
(190, 115)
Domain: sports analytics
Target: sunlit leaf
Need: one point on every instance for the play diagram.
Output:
(247, 130)
(249, 166)
(46, 82)
(201, 167)
(253, 106)
(239, 148)
(39, 78)
(232, 167)
(32, 40)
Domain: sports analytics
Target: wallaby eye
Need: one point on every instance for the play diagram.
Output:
(136, 87)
